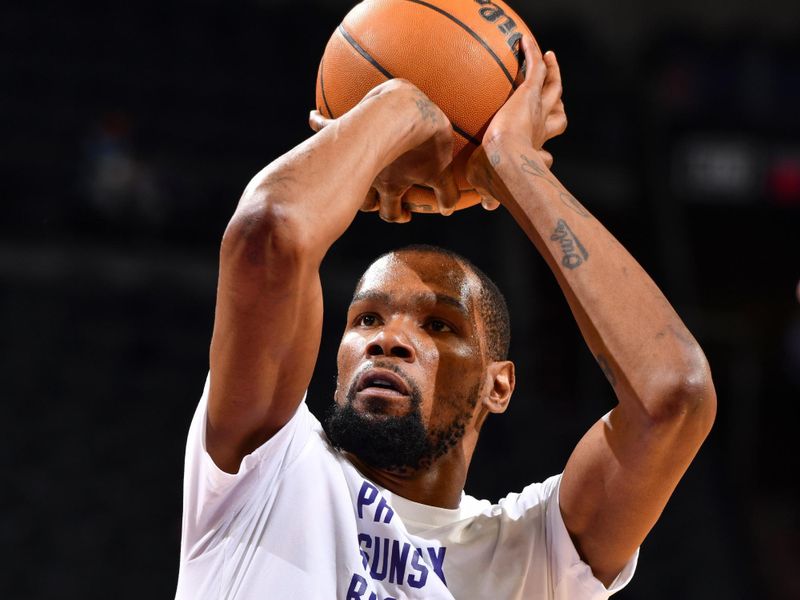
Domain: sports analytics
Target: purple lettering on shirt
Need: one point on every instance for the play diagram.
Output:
(397, 564)
(437, 559)
(418, 580)
(366, 496)
(379, 573)
(364, 539)
(384, 506)
(358, 585)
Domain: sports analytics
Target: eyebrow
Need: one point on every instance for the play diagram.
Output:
(383, 297)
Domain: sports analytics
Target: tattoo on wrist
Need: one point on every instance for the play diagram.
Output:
(601, 360)
(533, 169)
(574, 253)
(427, 110)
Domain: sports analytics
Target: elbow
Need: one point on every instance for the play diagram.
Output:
(684, 395)
(266, 230)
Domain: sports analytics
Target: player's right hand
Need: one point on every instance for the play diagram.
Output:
(424, 154)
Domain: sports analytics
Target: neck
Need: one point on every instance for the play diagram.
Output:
(439, 484)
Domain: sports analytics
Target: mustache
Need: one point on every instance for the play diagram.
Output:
(389, 366)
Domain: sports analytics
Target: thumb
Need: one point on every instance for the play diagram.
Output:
(317, 121)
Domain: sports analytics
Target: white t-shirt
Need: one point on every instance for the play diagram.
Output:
(299, 521)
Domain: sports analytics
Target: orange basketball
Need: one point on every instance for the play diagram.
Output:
(465, 55)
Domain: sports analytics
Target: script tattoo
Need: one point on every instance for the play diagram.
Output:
(575, 253)
(601, 360)
(427, 110)
(532, 168)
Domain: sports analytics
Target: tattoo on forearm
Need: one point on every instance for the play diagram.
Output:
(575, 254)
(601, 360)
(532, 168)
(494, 159)
(427, 110)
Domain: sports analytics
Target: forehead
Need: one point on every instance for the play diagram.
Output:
(415, 274)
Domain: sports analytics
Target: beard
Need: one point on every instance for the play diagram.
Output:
(395, 443)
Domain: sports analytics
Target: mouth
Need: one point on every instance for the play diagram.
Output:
(382, 383)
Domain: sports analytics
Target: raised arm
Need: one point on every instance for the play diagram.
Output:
(268, 317)
(623, 471)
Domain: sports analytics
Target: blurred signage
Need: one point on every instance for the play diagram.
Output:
(725, 170)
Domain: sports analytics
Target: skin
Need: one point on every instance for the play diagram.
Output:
(269, 308)
(404, 314)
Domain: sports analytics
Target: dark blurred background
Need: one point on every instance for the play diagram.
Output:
(128, 133)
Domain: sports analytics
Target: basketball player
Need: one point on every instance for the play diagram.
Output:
(373, 507)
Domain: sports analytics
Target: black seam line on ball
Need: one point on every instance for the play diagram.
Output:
(322, 88)
(364, 53)
(386, 73)
(465, 135)
(471, 32)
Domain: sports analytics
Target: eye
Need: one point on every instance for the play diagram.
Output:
(367, 320)
(438, 326)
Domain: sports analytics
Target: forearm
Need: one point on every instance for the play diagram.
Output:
(645, 350)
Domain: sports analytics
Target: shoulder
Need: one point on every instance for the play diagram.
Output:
(533, 497)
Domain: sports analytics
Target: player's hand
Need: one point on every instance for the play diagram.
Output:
(533, 114)
(426, 156)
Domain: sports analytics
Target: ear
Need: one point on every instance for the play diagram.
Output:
(500, 376)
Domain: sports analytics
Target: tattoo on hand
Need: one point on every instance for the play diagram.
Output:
(532, 168)
(427, 110)
(575, 253)
(601, 360)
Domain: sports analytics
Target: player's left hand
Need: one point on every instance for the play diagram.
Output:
(532, 115)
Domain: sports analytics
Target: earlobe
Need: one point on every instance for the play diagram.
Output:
(500, 377)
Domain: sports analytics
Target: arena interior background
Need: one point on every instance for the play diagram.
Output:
(129, 131)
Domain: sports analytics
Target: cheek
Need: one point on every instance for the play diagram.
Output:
(457, 361)
(350, 349)
(457, 370)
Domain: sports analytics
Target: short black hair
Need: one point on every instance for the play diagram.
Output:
(491, 302)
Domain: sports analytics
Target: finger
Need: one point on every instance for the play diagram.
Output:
(317, 121)
(553, 88)
(536, 70)
(489, 203)
(371, 201)
(446, 191)
(391, 209)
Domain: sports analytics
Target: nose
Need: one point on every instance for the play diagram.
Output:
(391, 341)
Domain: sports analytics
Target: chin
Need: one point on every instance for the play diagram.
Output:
(373, 407)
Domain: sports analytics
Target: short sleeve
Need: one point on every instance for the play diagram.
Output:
(212, 498)
(571, 577)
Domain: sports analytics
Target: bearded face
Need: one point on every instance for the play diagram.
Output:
(410, 364)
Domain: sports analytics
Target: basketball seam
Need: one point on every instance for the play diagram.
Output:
(363, 52)
(386, 73)
(322, 88)
(466, 28)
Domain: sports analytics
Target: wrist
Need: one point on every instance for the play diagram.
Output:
(507, 144)
(392, 122)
